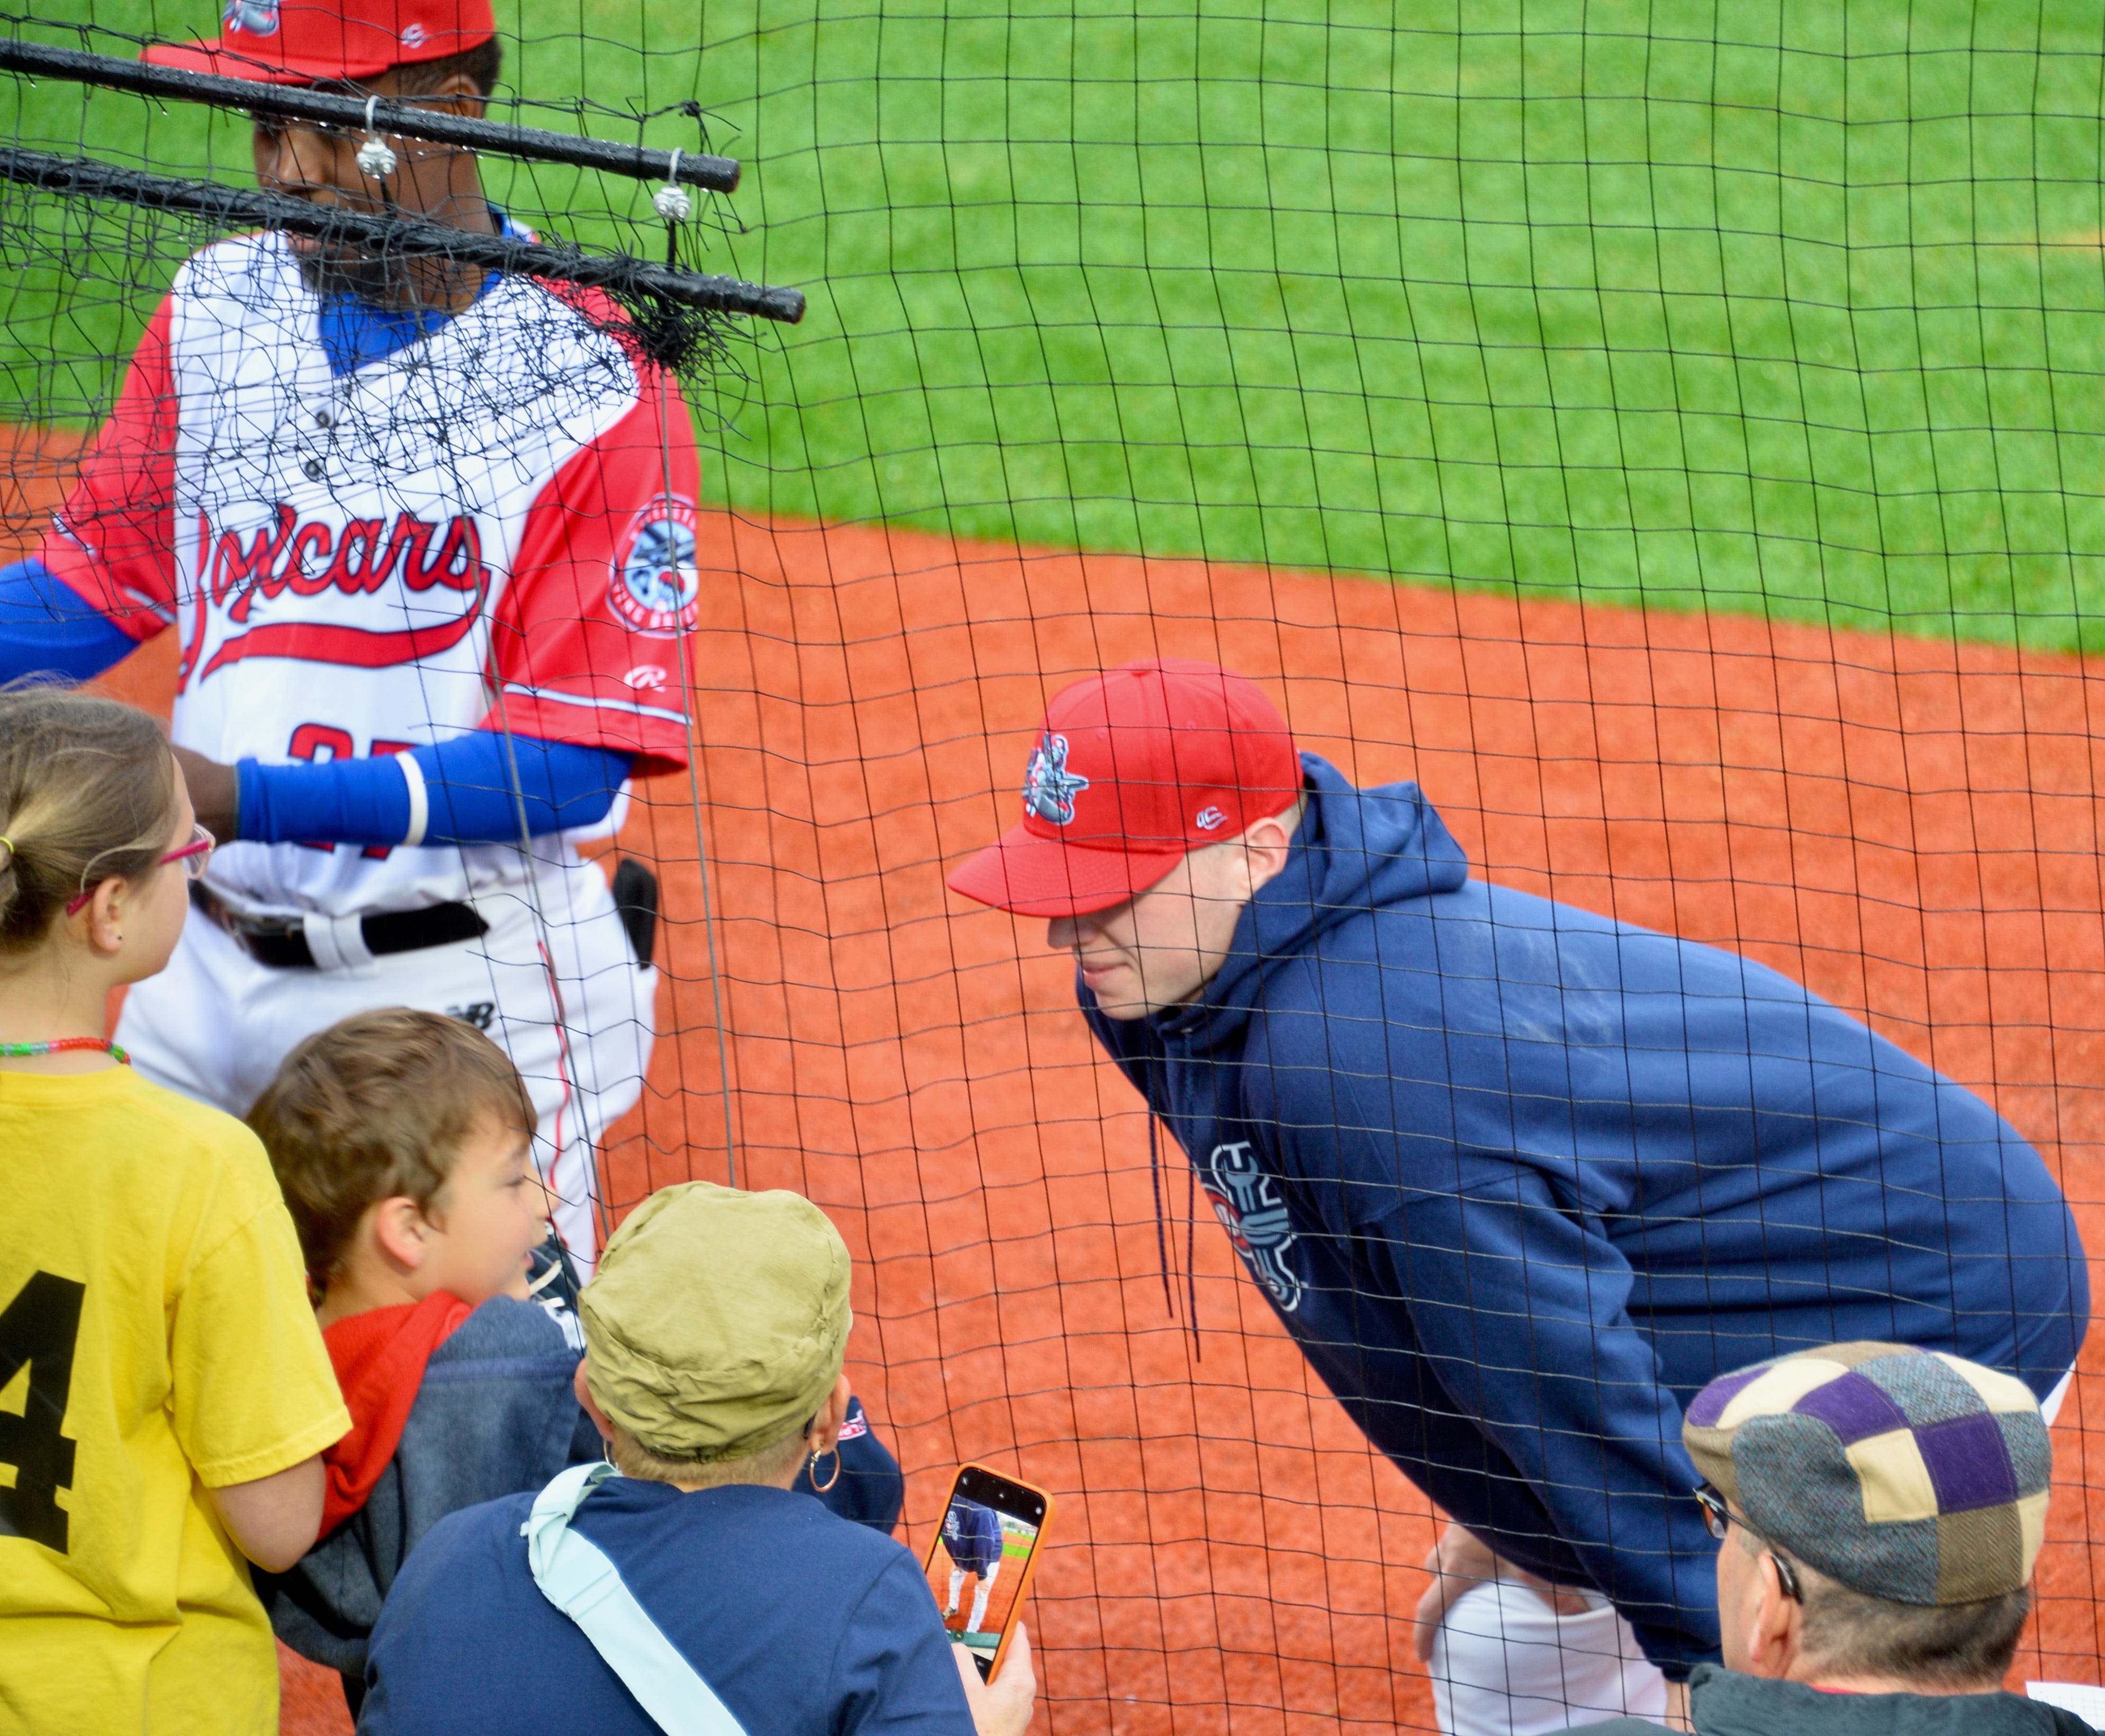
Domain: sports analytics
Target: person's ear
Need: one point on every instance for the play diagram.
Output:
(464, 95)
(826, 1431)
(102, 917)
(1773, 1641)
(1266, 844)
(401, 1231)
(584, 1390)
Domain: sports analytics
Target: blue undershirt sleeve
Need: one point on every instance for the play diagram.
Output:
(470, 793)
(46, 627)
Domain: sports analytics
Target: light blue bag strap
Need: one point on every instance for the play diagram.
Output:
(574, 1574)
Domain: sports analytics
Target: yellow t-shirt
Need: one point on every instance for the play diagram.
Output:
(155, 1341)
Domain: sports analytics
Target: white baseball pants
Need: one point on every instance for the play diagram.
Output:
(565, 1000)
(1505, 1664)
(977, 1623)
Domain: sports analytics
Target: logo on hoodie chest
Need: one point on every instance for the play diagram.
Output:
(1245, 1198)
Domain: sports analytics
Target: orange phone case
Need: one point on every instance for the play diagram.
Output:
(1029, 1567)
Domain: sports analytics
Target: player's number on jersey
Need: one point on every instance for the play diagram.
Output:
(38, 1331)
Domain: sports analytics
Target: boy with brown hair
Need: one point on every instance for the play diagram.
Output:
(402, 1142)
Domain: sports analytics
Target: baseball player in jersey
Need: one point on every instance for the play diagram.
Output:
(426, 535)
(1519, 1180)
(972, 1536)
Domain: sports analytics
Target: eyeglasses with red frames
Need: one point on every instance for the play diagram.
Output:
(196, 857)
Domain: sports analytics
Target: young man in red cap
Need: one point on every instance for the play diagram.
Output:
(1519, 1180)
(426, 535)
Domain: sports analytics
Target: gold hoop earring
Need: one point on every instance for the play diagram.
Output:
(811, 1471)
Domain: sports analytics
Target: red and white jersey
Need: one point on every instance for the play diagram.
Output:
(491, 528)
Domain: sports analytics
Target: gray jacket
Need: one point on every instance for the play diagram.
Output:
(496, 1415)
(1725, 1704)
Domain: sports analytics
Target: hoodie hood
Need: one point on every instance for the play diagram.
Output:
(1358, 851)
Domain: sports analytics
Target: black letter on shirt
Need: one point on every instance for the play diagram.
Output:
(38, 1328)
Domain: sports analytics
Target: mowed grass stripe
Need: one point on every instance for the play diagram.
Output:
(1793, 309)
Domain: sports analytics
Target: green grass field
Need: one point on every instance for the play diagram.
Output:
(1797, 308)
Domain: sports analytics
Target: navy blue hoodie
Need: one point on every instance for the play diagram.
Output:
(1520, 1180)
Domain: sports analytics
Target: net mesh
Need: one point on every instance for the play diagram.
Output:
(1675, 443)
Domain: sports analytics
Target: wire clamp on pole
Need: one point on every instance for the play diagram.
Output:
(671, 201)
(376, 162)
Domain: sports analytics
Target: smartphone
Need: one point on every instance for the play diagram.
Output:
(984, 1554)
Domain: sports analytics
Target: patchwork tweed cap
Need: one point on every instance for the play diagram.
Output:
(1907, 1475)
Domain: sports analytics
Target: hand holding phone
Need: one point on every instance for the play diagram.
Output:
(1002, 1706)
(983, 1559)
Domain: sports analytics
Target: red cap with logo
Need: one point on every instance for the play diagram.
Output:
(1134, 770)
(308, 42)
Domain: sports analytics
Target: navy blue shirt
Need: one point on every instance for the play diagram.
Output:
(1520, 1180)
(803, 1623)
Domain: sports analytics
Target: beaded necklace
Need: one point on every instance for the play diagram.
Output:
(59, 1045)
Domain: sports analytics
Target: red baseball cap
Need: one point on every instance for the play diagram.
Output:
(1134, 770)
(307, 42)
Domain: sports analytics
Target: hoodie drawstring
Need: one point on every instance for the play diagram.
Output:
(1162, 1236)
(1161, 1230)
(1192, 1256)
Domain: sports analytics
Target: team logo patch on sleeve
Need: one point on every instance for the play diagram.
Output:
(655, 586)
(1049, 788)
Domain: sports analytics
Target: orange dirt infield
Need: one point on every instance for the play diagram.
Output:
(1910, 827)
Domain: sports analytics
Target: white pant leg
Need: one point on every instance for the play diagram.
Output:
(957, 1592)
(1505, 1663)
(978, 1623)
(575, 1015)
(578, 1018)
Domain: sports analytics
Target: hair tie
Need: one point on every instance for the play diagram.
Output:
(10, 843)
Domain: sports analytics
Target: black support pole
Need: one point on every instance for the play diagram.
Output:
(235, 208)
(300, 103)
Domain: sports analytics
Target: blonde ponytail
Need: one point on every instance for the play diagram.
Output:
(86, 791)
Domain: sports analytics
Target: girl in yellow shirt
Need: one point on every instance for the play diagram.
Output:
(164, 1394)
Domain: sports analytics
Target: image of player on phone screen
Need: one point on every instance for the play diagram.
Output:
(991, 1530)
(973, 1535)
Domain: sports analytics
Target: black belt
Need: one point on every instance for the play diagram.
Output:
(281, 942)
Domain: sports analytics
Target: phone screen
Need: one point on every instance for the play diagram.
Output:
(982, 1556)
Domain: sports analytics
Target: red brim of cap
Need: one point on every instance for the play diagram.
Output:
(1031, 876)
(210, 57)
